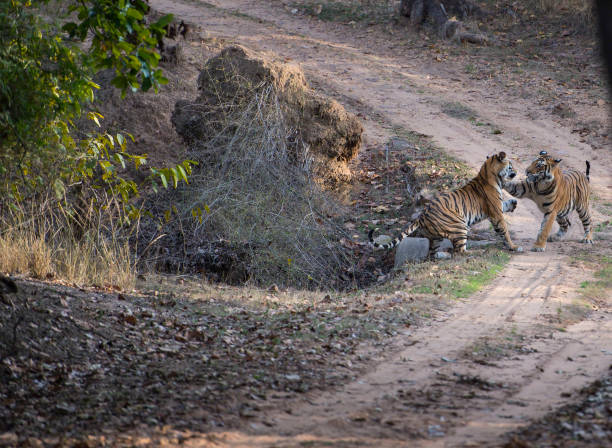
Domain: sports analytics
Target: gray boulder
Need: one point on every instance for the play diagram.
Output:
(416, 249)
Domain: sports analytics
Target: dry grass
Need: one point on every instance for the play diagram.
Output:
(581, 10)
(42, 243)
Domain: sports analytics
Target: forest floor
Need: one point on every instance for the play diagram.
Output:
(523, 362)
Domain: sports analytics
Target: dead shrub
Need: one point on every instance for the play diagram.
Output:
(259, 214)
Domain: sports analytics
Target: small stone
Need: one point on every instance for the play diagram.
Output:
(359, 416)
(435, 431)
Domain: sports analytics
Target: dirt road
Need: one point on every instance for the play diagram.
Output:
(423, 386)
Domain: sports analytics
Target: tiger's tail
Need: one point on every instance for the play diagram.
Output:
(588, 170)
(407, 232)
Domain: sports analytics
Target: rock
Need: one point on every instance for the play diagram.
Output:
(479, 243)
(411, 249)
(442, 255)
(416, 249)
(435, 431)
(230, 80)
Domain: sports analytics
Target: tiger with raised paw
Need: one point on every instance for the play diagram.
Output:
(557, 193)
(450, 214)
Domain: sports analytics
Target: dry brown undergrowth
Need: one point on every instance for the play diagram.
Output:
(43, 243)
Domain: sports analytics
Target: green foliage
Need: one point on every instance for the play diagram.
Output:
(121, 40)
(42, 88)
(465, 287)
(46, 80)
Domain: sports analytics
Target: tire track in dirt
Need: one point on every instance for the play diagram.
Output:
(431, 361)
(437, 351)
(531, 288)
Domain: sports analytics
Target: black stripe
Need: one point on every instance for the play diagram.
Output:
(588, 169)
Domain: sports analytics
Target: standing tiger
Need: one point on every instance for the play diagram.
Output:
(556, 193)
(450, 214)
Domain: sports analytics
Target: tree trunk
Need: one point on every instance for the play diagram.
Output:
(439, 12)
(420, 10)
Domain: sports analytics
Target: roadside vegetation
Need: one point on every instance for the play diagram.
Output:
(81, 206)
(598, 290)
(462, 277)
(65, 196)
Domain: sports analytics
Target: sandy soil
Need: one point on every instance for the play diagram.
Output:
(427, 387)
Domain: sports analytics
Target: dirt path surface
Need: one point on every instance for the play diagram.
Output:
(428, 386)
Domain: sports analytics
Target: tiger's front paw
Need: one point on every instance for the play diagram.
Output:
(509, 205)
(512, 203)
(513, 247)
(538, 248)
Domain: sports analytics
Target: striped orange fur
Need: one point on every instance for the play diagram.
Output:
(557, 193)
(450, 214)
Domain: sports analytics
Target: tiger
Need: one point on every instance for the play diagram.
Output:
(556, 193)
(450, 214)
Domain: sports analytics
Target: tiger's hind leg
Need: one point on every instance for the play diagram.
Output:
(564, 224)
(459, 241)
(585, 217)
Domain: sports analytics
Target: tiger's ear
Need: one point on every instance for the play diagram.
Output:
(501, 156)
(543, 153)
(557, 161)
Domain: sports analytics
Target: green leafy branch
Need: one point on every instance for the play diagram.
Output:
(121, 40)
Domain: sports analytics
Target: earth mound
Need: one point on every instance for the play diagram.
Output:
(229, 80)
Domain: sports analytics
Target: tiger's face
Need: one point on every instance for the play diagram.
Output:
(542, 169)
(501, 167)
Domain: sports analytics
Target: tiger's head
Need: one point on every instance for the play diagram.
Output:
(543, 169)
(500, 167)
